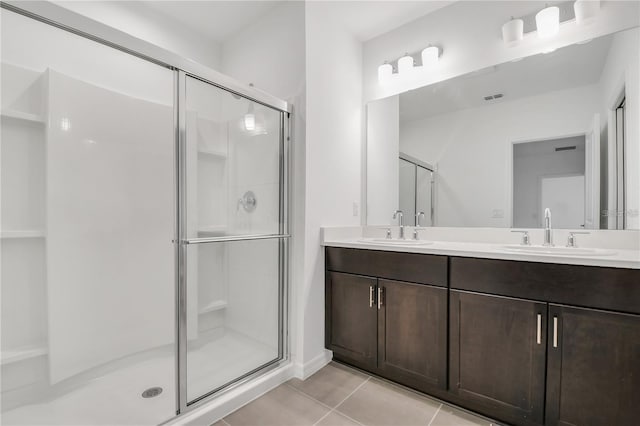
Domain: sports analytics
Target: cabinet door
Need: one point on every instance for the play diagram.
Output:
(412, 334)
(497, 355)
(351, 318)
(594, 367)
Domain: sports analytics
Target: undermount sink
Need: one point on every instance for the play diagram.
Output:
(565, 251)
(395, 242)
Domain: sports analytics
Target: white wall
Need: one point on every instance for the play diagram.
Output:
(469, 32)
(622, 70)
(383, 145)
(333, 157)
(134, 18)
(472, 149)
(270, 52)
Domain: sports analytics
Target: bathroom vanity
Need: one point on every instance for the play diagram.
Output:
(523, 340)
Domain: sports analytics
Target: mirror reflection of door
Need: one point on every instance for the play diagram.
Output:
(564, 196)
(550, 174)
(408, 191)
(416, 191)
(424, 195)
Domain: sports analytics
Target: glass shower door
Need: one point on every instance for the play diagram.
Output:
(88, 289)
(233, 237)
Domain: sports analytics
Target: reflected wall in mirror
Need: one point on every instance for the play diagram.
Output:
(558, 130)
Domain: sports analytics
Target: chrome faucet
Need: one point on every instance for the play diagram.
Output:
(415, 230)
(398, 214)
(548, 240)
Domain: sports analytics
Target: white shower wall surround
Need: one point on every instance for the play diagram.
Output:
(88, 220)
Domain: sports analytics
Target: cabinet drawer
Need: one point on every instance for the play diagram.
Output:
(410, 267)
(590, 286)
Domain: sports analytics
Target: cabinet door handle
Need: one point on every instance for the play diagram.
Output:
(539, 330)
(370, 296)
(380, 293)
(555, 332)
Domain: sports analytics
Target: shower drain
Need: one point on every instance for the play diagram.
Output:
(151, 392)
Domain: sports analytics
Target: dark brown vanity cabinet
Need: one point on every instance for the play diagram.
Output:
(396, 329)
(526, 343)
(593, 374)
(352, 321)
(412, 334)
(497, 354)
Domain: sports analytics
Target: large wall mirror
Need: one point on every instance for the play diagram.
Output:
(494, 148)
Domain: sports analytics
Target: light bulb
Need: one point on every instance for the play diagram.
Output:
(405, 64)
(384, 73)
(65, 124)
(513, 32)
(586, 10)
(430, 56)
(249, 121)
(548, 22)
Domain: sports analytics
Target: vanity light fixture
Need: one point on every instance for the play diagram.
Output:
(548, 22)
(430, 56)
(513, 32)
(406, 67)
(385, 71)
(586, 10)
(405, 64)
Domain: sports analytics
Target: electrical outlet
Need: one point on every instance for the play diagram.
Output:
(497, 213)
(356, 208)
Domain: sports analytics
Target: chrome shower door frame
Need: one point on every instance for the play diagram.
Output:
(182, 242)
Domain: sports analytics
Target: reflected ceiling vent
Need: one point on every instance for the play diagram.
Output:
(565, 148)
(493, 97)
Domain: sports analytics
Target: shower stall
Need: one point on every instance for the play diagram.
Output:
(144, 228)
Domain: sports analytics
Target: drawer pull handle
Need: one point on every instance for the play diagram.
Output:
(539, 330)
(380, 293)
(370, 296)
(555, 332)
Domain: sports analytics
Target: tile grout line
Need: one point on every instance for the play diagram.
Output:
(331, 409)
(434, 415)
(354, 391)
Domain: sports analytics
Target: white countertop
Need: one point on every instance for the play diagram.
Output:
(501, 246)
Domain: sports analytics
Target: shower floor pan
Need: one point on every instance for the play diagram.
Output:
(115, 397)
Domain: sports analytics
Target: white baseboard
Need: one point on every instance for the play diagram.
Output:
(304, 371)
(226, 404)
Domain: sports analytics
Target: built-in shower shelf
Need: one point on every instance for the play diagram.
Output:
(23, 353)
(23, 116)
(214, 306)
(213, 153)
(29, 233)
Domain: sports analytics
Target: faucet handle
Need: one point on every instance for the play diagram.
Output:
(388, 233)
(571, 239)
(526, 241)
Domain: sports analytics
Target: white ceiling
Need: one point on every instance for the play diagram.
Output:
(219, 20)
(369, 19)
(572, 66)
(214, 20)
